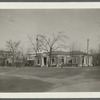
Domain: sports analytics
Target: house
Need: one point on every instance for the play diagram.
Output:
(75, 58)
(6, 58)
(4, 55)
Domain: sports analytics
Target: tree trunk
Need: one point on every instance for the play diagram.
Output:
(13, 61)
(50, 59)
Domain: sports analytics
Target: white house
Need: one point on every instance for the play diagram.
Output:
(75, 58)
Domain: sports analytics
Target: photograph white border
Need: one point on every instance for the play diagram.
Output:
(50, 5)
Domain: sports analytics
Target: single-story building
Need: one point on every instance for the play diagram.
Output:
(75, 58)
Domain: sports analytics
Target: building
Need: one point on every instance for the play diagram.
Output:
(75, 58)
(81, 58)
(4, 55)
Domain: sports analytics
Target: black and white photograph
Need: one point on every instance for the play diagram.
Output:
(49, 50)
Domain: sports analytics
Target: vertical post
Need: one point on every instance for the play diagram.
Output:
(88, 50)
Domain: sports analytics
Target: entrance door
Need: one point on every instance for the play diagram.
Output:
(45, 61)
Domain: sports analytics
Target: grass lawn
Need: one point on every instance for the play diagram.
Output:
(13, 84)
(30, 79)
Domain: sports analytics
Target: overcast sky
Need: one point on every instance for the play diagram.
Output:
(78, 25)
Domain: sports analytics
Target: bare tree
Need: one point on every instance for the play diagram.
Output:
(13, 47)
(35, 44)
(73, 48)
(97, 56)
(52, 44)
(23, 55)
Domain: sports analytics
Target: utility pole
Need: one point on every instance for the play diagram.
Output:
(88, 50)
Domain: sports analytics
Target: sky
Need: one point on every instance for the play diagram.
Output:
(78, 24)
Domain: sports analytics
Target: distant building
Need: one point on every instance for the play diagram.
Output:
(75, 58)
(4, 55)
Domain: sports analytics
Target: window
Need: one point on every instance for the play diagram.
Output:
(87, 60)
(74, 60)
(38, 61)
(53, 60)
(70, 61)
(62, 59)
(83, 59)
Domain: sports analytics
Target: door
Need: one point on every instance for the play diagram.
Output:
(45, 61)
